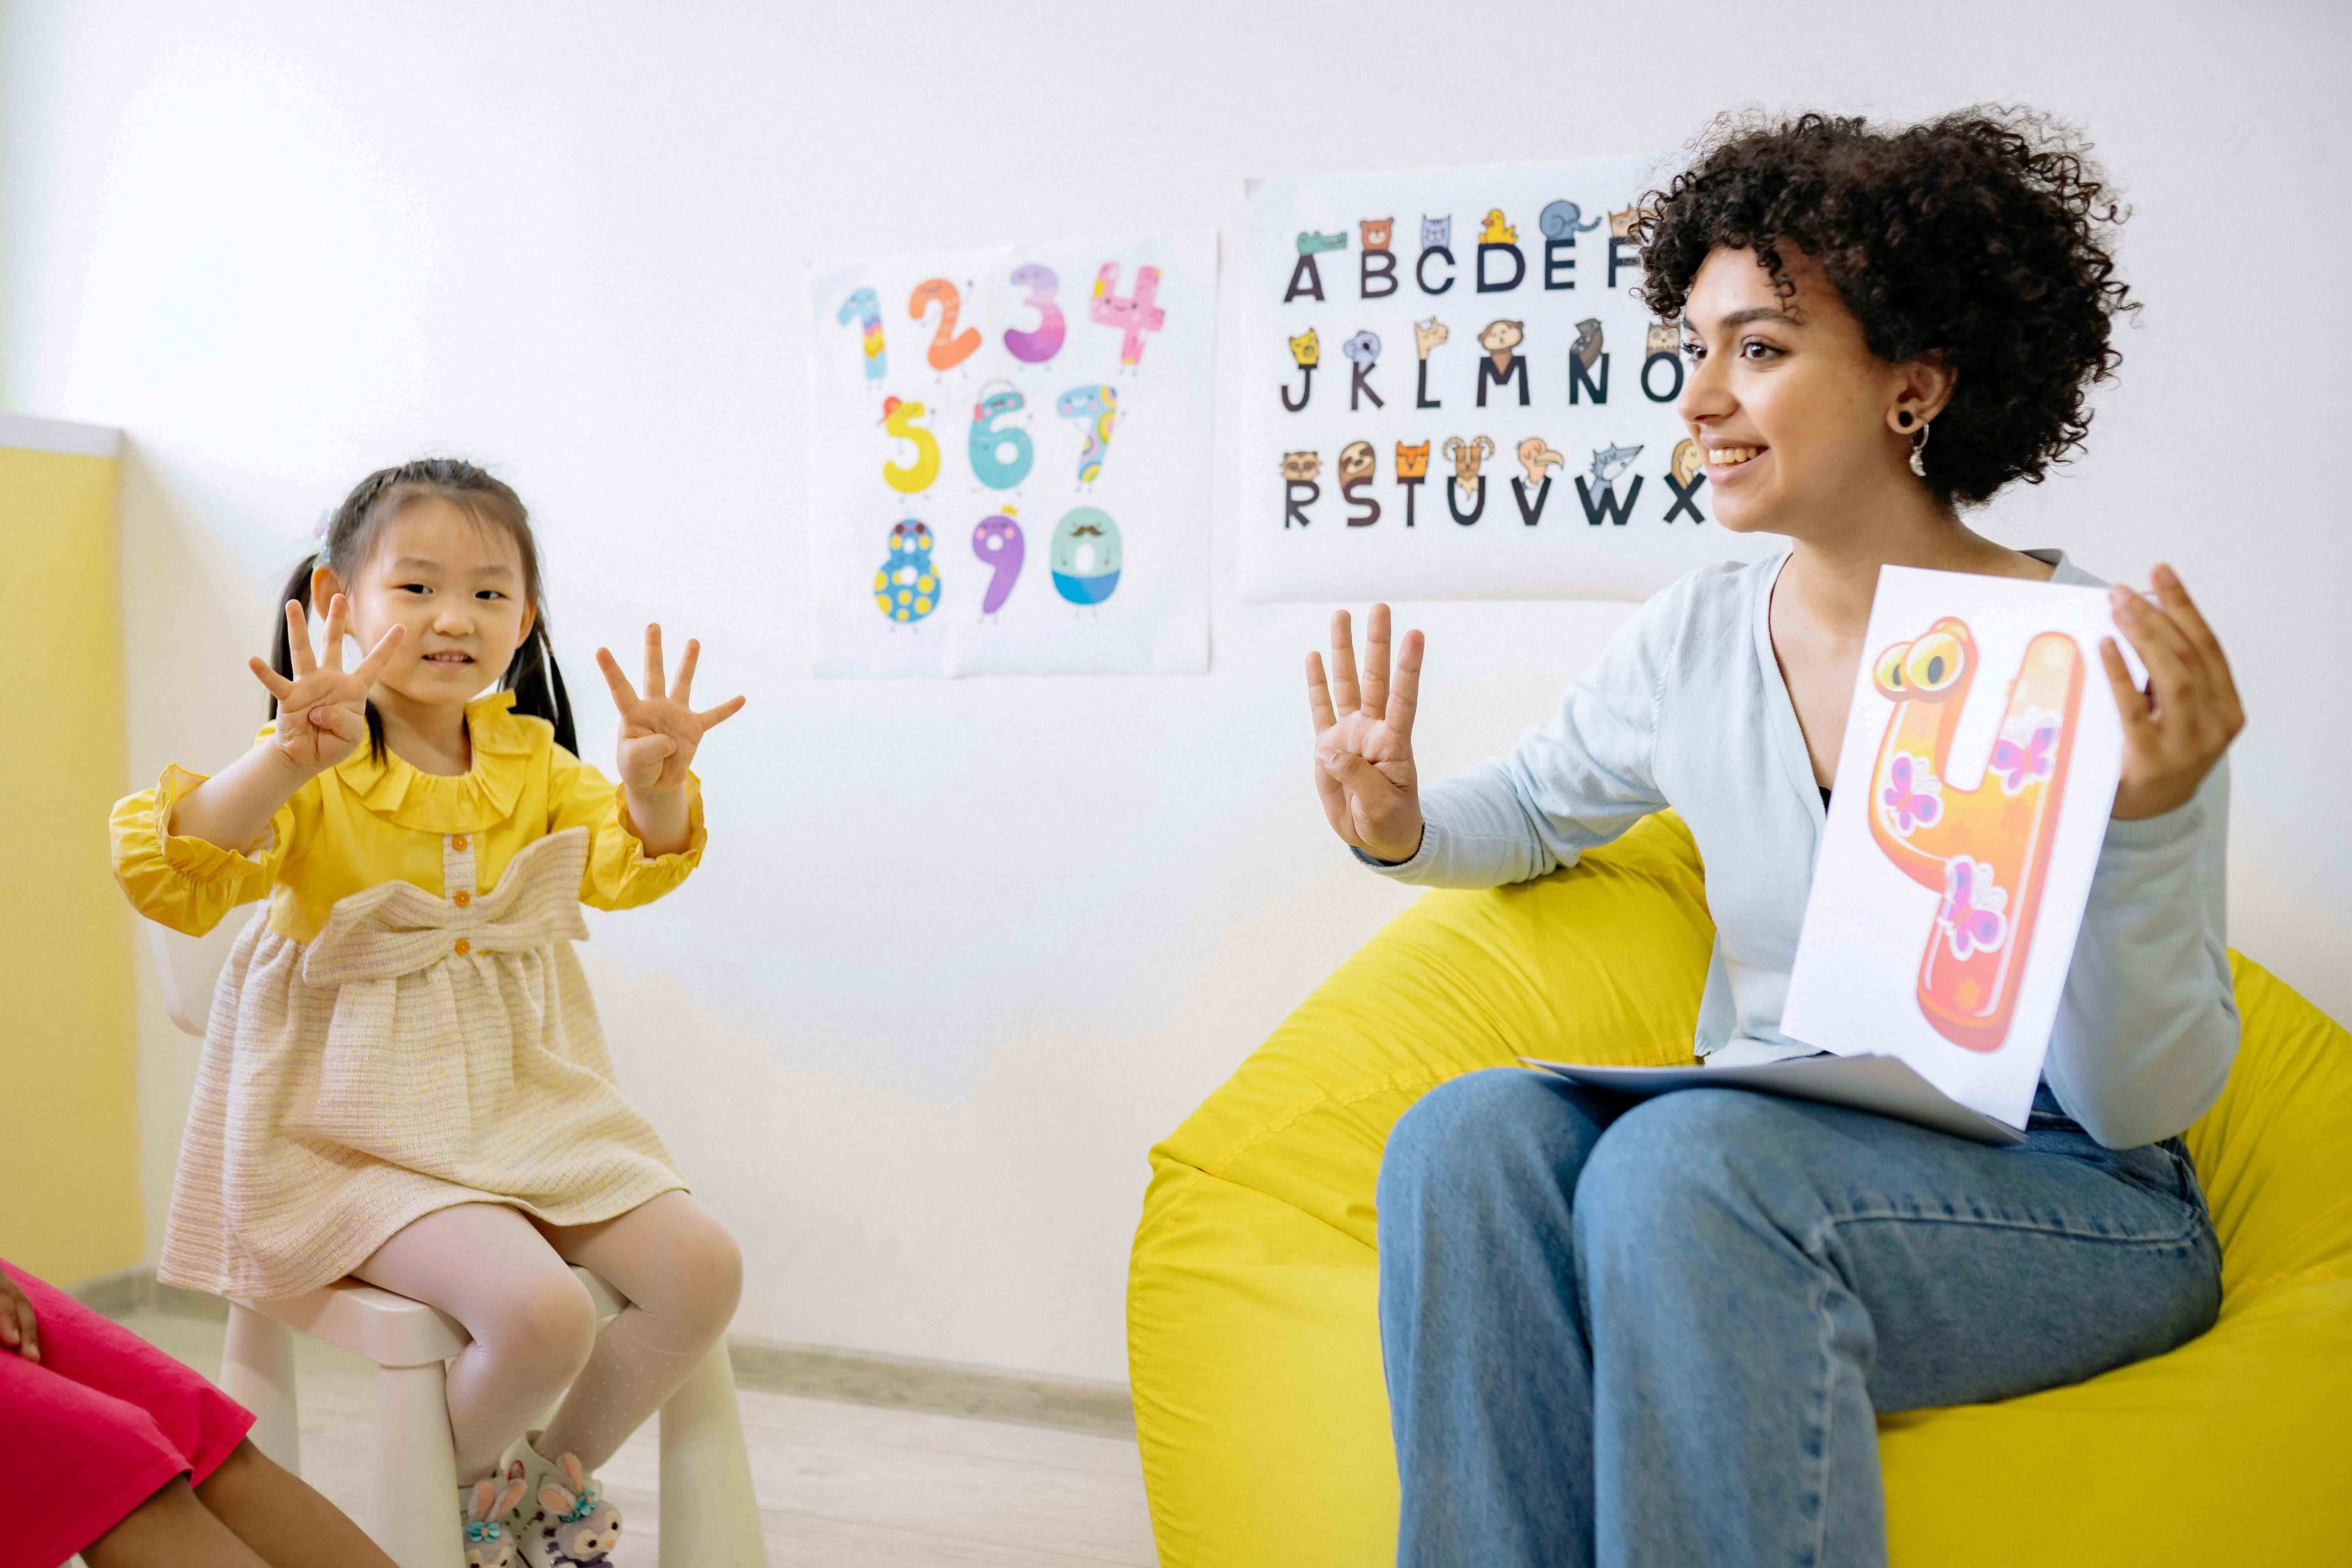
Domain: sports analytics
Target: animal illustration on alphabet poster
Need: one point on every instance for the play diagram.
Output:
(1964, 829)
(1515, 286)
(1021, 414)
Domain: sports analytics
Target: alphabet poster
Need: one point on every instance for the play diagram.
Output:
(1452, 392)
(1009, 459)
(1980, 759)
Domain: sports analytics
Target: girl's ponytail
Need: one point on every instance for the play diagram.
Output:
(538, 685)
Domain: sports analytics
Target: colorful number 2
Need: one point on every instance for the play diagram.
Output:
(949, 347)
(1134, 316)
(865, 307)
(1037, 347)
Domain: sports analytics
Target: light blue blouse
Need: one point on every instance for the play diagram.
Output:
(1687, 709)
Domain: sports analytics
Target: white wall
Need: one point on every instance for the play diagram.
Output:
(963, 951)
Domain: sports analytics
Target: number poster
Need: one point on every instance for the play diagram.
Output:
(1009, 459)
(1452, 392)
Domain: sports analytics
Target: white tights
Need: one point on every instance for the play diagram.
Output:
(507, 1277)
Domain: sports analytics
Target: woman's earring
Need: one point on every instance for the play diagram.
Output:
(1919, 444)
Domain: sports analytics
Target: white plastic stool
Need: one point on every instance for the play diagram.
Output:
(710, 1518)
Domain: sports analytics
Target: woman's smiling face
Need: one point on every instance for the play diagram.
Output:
(1789, 404)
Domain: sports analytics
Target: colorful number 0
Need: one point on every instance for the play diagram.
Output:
(949, 347)
(1037, 347)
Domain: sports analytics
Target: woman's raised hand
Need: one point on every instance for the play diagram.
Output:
(2177, 729)
(1363, 739)
(322, 711)
(659, 732)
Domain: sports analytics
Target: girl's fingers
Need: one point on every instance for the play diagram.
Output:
(28, 1331)
(1319, 695)
(298, 639)
(278, 684)
(711, 718)
(624, 696)
(379, 655)
(655, 684)
(1404, 697)
(1343, 663)
(338, 618)
(1376, 663)
(681, 690)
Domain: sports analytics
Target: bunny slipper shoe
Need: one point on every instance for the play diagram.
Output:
(566, 1522)
(487, 1511)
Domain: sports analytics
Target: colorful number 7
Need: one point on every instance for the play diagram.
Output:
(1135, 316)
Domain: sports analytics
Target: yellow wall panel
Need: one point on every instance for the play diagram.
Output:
(68, 1057)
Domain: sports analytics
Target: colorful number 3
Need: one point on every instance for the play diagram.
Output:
(1037, 347)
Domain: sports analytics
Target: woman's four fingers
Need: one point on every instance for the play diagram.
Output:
(2177, 729)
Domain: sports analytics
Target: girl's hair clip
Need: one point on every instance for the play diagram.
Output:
(326, 522)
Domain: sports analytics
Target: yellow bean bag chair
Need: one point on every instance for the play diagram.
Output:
(1253, 1338)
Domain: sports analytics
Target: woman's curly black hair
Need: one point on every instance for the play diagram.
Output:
(1985, 236)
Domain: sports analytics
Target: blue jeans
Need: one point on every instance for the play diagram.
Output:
(1655, 1332)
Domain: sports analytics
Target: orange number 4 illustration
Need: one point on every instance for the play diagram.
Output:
(1987, 849)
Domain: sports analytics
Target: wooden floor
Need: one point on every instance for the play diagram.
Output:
(844, 1486)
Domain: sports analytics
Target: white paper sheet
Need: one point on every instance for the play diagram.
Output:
(1879, 1084)
(1963, 833)
(1551, 379)
(1008, 458)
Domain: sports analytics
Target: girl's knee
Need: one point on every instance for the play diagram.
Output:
(549, 1324)
(709, 1275)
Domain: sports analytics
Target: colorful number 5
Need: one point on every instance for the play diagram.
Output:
(1037, 347)
(949, 348)
(1134, 316)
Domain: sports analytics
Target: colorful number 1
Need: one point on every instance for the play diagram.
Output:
(1037, 347)
(1135, 316)
(865, 307)
(949, 348)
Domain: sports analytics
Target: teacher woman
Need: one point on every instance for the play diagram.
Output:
(1656, 1332)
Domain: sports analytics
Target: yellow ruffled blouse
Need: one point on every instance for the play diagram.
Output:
(363, 823)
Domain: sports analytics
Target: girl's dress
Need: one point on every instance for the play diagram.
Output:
(404, 1026)
(96, 1427)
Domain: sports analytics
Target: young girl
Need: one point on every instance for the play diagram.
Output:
(1660, 1331)
(119, 1453)
(404, 1078)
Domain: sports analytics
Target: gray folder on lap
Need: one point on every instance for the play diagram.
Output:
(1882, 1084)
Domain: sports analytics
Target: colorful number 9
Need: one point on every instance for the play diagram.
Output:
(949, 348)
(988, 464)
(998, 543)
(1037, 347)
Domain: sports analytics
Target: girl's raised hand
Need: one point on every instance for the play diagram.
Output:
(2177, 729)
(322, 711)
(1363, 741)
(659, 732)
